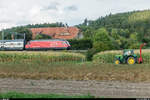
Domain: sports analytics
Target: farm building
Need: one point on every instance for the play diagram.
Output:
(58, 32)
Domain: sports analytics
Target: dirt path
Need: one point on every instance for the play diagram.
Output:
(96, 88)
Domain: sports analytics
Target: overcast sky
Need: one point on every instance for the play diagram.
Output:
(73, 12)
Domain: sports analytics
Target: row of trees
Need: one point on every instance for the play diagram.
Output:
(16, 31)
(57, 24)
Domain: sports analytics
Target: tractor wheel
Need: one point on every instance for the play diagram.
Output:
(131, 60)
(117, 61)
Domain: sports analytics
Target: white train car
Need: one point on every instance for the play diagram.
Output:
(17, 44)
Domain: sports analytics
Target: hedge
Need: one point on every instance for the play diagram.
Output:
(80, 44)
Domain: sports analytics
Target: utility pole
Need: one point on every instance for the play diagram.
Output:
(2, 35)
(12, 36)
(24, 36)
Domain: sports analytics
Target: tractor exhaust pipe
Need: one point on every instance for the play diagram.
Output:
(140, 60)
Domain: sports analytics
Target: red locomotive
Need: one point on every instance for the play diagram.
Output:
(56, 44)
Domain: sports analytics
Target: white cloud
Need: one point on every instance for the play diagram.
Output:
(22, 12)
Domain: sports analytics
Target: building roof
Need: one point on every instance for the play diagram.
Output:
(57, 32)
(48, 40)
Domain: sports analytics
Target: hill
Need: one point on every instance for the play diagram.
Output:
(128, 29)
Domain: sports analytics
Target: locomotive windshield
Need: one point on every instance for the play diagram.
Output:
(28, 42)
(67, 43)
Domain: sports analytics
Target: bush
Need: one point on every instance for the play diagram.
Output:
(90, 53)
(42, 36)
(101, 46)
(80, 44)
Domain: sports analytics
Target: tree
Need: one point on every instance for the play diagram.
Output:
(23, 30)
(101, 35)
(42, 36)
(123, 42)
(102, 40)
(133, 36)
(114, 33)
(85, 22)
(100, 46)
(57, 24)
(88, 32)
(127, 33)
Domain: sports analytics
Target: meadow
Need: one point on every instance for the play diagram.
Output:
(30, 65)
(76, 71)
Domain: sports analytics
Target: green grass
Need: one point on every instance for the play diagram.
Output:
(27, 95)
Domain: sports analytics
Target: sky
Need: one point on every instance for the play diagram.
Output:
(22, 12)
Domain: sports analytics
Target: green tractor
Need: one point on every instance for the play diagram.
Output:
(129, 57)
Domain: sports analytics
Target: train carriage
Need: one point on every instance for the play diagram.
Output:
(17, 44)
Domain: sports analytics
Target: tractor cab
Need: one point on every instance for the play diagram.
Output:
(128, 52)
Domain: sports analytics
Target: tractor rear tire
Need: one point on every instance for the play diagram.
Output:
(131, 60)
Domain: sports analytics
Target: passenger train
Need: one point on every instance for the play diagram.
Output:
(21, 44)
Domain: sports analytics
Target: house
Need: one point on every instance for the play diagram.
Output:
(58, 32)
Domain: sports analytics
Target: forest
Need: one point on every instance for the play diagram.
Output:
(118, 31)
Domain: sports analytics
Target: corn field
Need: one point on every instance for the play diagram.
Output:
(109, 56)
(44, 57)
